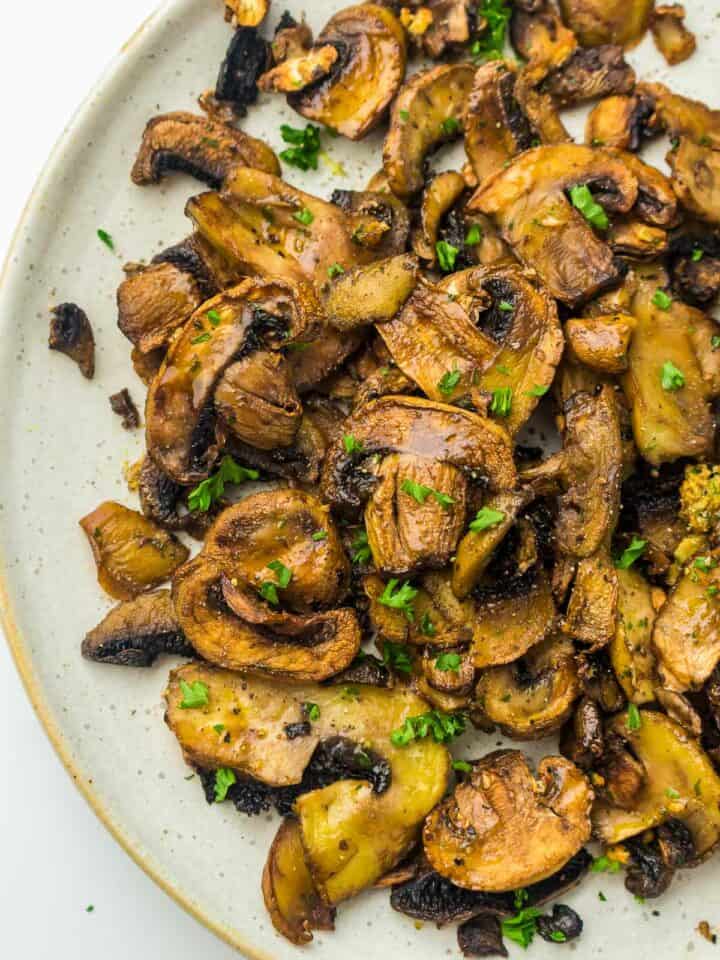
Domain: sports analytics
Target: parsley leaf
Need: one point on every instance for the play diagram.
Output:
(605, 865)
(473, 236)
(537, 391)
(268, 591)
(319, 535)
(583, 200)
(486, 517)
(194, 694)
(420, 492)
(404, 115)
(201, 338)
(214, 317)
(630, 554)
(522, 927)
(311, 711)
(304, 216)
(634, 720)
(462, 766)
(661, 300)
(496, 14)
(715, 342)
(397, 657)
(671, 378)
(335, 270)
(437, 724)
(448, 662)
(306, 146)
(697, 255)
(283, 573)
(399, 597)
(427, 627)
(501, 403)
(106, 239)
(361, 548)
(351, 444)
(447, 254)
(224, 779)
(450, 126)
(210, 490)
(448, 381)
(505, 306)
(558, 936)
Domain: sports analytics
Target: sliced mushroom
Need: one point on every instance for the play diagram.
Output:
(631, 652)
(681, 116)
(291, 38)
(630, 238)
(451, 26)
(430, 897)
(505, 828)
(590, 73)
(539, 35)
(533, 696)
(696, 178)
(132, 553)
(350, 809)
(672, 38)
(237, 613)
(481, 937)
(607, 21)
(370, 294)
(679, 709)
(439, 196)
(122, 404)
(247, 13)
(602, 342)
(247, 57)
(527, 201)
(353, 98)
(428, 112)
(592, 609)
(656, 203)
(296, 73)
(246, 318)
(673, 764)
(136, 632)
(686, 635)
(695, 264)
(623, 122)
(71, 334)
(582, 740)
(165, 502)
(201, 147)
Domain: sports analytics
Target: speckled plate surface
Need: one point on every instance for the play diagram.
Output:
(63, 451)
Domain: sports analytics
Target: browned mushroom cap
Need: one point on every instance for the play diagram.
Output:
(681, 116)
(621, 121)
(248, 317)
(540, 36)
(533, 696)
(672, 38)
(354, 96)
(71, 334)
(590, 73)
(504, 828)
(601, 343)
(592, 610)
(367, 716)
(496, 128)
(607, 21)
(136, 632)
(695, 263)
(428, 111)
(370, 294)
(247, 600)
(527, 201)
(291, 899)
(671, 760)
(450, 26)
(686, 636)
(631, 654)
(656, 203)
(296, 73)
(696, 178)
(132, 553)
(590, 470)
(667, 424)
(439, 196)
(419, 428)
(246, 13)
(201, 147)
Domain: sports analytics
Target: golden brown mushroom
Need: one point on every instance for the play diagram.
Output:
(696, 178)
(246, 13)
(620, 121)
(602, 342)
(631, 652)
(672, 38)
(681, 116)
(607, 21)
(439, 196)
(296, 73)
(134, 633)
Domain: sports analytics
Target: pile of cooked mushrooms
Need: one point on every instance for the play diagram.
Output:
(422, 556)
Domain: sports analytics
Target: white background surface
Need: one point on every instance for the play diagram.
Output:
(57, 858)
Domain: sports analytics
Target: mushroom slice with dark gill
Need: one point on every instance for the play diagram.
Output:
(348, 808)
(504, 827)
(595, 22)
(533, 696)
(428, 112)
(354, 96)
(136, 632)
(247, 57)
(695, 263)
(679, 783)
(201, 147)
(166, 503)
(624, 122)
(71, 334)
(672, 38)
(590, 73)
(681, 116)
(132, 553)
(528, 203)
(539, 35)
(256, 314)
(264, 593)
(439, 196)
(696, 178)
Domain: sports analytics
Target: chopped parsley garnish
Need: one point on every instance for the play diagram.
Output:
(361, 548)
(672, 794)
(397, 657)
(602, 897)
(446, 254)
(450, 126)
(583, 201)
(661, 300)
(505, 306)
(473, 236)
(537, 391)
(671, 378)
(351, 444)
(522, 927)
(706, 564)
(630, 554)
(306, 146)
(206, 493)
(194, 694)
(462, 766)
(605, 865)
(634, 720)
(558, 936)
(89, 908)
(311, 711)
(224, 779)
(399, 597)
(420, 492)
(486, 517)
(697, 255)
(521, 898)
(427, 627)
(219, 728)
(441, 726)
(105, 237)
(268, 591)
(404, 116)
(319, 535)
(501, 403)
(214, 317)
(304, 216)
(496, 14)
(283, 573)
(715, 342)
(201, 338)
(335, 270)
(448, 381)
(448, 662)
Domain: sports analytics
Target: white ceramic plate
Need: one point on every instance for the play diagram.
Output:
(63, 451)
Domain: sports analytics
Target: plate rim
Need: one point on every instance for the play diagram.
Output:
(146, 31)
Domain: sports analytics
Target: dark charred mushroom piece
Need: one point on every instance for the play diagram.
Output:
(136, 632)
(624, 122)
(291, 38)
(381, 222)
(204, 148)
(591, 615)
(366, 669)
(439, 197)
(582, 739)
(432, 898)
(247, 57)
(354, 95)
(481, 937)
(71, 334)
(165, 502)
(563, 925)
(590, 73)
(123, 405)
(695, 264)
(595, 22)
(648, 875)
(672, 38)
